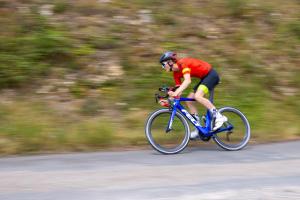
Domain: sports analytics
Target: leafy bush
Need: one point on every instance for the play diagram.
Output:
(165, 19)
(295, 29)
(61, 6)
(236, 7)
(3, 4)
(95, 134)
(78, 91)
(93, 7)
(29, 53)
(107, 42)
(90, 107)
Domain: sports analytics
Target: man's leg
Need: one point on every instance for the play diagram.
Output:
(194, 112)
(219, 119)
(199, 96)
(191, 104)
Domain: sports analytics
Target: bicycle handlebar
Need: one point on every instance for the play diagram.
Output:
(164, 90)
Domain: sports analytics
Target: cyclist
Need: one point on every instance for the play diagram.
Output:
(190, 67)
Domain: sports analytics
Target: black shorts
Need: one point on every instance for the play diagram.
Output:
(210, 80)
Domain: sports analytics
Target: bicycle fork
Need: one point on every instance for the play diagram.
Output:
(169, 127)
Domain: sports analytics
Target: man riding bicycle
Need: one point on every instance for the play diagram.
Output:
(190, 67)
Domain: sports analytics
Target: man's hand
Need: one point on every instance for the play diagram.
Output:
(172, 94)
(183, 86)
(163, 102)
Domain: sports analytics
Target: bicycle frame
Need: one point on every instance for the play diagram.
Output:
(204, 131)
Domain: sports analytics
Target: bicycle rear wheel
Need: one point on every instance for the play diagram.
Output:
(238, 137)
(167, 142)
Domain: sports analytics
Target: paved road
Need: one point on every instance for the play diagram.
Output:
(259, 172)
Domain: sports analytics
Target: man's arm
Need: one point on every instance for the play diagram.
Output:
(187, 81)
(177, 79)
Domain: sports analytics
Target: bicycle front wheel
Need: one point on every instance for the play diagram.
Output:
(239, 135)
(164, 142)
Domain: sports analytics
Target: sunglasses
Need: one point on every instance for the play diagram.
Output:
(163, 64)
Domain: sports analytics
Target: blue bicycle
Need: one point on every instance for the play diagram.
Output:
(168, 130)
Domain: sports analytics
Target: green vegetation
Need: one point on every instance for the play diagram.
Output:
(61, 6)
(29, 49)
(30, 127)
(236, 7)
(81, 75)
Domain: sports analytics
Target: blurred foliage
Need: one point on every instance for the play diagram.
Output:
(295, 29)
(94, 134)
(78, 90)
(30, 127)
(108, 42)
(165, 19)
(61, 6)
(236, 7)
(90, 107)
(31, 49)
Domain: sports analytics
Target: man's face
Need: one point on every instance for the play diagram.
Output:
(168, 65)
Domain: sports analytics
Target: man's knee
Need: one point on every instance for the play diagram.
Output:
(199, 94)
(202, 90)
(191, 95)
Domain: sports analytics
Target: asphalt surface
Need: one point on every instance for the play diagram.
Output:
(262, 172)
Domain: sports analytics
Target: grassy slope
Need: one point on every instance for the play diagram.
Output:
(254, 45)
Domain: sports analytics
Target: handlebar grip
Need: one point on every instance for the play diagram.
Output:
(167, 89)
(163, 89)
(157, 97)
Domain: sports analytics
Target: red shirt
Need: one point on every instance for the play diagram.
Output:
(194, 67)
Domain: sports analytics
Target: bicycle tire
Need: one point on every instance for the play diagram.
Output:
(245, 127)
(157, 146)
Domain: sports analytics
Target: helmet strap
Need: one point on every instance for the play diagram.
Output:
(171, 68)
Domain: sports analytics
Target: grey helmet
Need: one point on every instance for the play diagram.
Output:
(169, 55)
